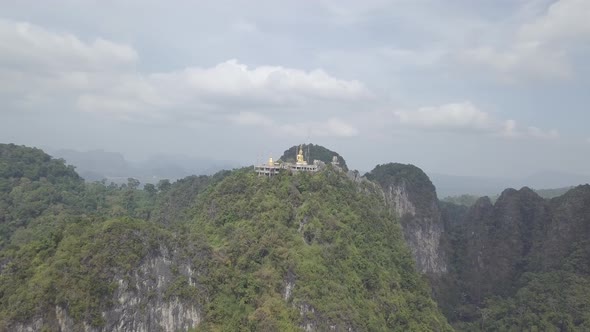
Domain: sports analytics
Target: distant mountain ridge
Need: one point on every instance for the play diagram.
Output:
(453, 185)
(469, 200)
(95, 165)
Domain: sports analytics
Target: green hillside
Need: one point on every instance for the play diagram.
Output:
(343, 252)
(263, 254)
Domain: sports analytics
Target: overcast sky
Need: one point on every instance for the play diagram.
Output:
(487, 87)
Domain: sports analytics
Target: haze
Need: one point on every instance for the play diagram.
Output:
(494, 88)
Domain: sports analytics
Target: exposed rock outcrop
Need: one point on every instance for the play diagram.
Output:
(496, 241)
(411, 196)
(568, 225)
(495, 246)
(142, 301)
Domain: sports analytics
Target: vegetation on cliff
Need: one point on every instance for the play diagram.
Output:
(420, 189)
(522, 263)
(516, 262)
(338, 248)
(288, 252)
(268, 254)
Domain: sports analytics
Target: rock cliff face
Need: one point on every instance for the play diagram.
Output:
(411, 196)
(142, 301)
(496, 249)
(568, 225)
(498, 241)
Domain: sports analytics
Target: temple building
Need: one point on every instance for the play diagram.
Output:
(269, 169)
(272, 168)
(301, 164)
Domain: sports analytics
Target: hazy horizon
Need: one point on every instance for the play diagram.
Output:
(95, 165)
(52, 150)
(493, 89)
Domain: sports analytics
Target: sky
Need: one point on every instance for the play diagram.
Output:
(485, 88)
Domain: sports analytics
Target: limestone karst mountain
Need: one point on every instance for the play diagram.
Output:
(330, 250)
(523, 262)
(232, 252)
(412, 198)
(520, 263)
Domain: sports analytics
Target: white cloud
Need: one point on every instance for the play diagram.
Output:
(529, 60)
(539, 48)
(352, 11)
(566, 21)
(454, 116)
(332, 127)
(264, 84)
(30, 47)
(509, 129)
(410, 57)
(539, 133)
(101, 76)
(242, 26)
(251, 119)
(464, 117)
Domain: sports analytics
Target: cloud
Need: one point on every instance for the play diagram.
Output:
(539, 133)
(352, 11)
(454, 116)
(464, 117)
(529, 60)
(275, 85)
(251, 119)
(526, 45)
(30, 47)
(332, 127)
(43, 67)
(566, 21)
(509, 129)
(539, 48)
(242, 26)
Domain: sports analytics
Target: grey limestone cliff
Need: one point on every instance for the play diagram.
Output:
(142, 301)
(411, 196)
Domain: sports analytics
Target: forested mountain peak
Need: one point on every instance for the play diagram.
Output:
(233, 251)
(24, 162)
(312, 251)
(581, 191)
(32, 184)
(418, 185)
(313, 152)
(524, 192)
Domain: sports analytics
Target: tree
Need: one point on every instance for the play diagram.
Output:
(132, 183)
(164, 185)
(150, 189)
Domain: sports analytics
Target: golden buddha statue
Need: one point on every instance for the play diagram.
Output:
(300, 159)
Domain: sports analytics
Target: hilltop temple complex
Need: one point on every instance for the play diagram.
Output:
(272, 168)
